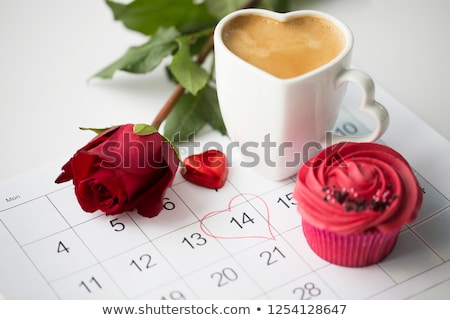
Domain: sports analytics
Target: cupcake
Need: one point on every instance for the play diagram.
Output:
(353, 199)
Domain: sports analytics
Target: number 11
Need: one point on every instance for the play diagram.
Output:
(92, 280)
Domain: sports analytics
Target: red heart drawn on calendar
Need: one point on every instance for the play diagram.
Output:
(246, 216)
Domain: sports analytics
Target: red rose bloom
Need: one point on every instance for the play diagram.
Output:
(120, 170)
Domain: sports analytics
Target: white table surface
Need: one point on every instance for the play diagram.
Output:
(49, 49)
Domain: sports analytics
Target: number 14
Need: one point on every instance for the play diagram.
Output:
(245, 219)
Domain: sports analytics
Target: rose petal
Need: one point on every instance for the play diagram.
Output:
(119, 171)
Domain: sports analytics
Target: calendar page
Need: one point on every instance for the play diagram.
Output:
(243, 241)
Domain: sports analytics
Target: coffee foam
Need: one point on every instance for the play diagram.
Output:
(284, 49)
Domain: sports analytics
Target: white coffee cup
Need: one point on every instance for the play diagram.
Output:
(272, 118)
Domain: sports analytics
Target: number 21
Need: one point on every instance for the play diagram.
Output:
(270, 255)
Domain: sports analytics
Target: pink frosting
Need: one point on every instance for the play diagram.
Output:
(352, 188)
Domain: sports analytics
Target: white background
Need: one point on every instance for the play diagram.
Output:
(49, 49)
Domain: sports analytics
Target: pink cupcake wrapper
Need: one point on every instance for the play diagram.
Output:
(356, 250)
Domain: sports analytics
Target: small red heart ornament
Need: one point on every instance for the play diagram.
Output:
(208, 169)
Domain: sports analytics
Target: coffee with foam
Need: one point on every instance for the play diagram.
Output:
(285, 49)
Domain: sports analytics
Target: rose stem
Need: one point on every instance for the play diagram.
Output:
(179, 90)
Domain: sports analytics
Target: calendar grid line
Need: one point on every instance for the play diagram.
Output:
(45, 237)
(194, 250)
(314, 270)
(417, 235)
(162, 254)
(311, 272)
(183, 276)
(62, 215)
(31, 199)
(430, 216)
(424, 241)
(431, 185)
(442, 263)
(386, 272)
(438, 273)
(30, 260)
(98, 262)
(68, 275)
(231, 255)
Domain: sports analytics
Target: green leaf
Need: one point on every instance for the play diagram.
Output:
(187, 72)
(146, 16)
(143, 129)
(96, 130)
(144, 58)
(221, 8)
(192, 113)
(209, 109)
(174, 147)
(184, 120)
(276, 5)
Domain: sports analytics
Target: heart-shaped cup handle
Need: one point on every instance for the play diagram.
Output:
(368, 105)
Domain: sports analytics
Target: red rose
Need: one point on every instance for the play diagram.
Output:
(120, 170)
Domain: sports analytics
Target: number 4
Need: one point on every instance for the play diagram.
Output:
(62, 248)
